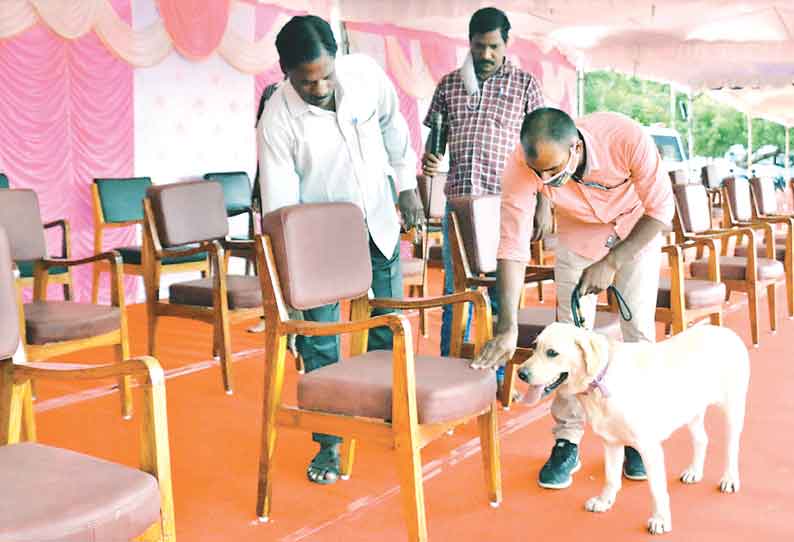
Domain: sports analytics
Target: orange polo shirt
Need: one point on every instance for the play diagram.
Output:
(620, 155)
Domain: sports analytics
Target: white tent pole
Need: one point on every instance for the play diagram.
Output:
(788, 150)
(689, 124)
(749, 144)
(580, 92)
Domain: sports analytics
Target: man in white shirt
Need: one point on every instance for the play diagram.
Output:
(334, 132)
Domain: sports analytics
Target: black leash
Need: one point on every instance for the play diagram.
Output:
(576, 308)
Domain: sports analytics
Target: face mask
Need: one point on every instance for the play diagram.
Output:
(563, 176)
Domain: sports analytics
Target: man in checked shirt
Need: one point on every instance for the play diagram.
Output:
(483, 104)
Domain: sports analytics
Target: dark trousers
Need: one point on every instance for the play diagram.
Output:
(387, 281)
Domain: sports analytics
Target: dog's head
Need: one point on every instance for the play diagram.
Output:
(567, 358)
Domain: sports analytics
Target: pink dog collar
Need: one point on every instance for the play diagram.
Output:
(598, 383)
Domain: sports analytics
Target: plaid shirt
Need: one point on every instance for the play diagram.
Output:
(482, 135)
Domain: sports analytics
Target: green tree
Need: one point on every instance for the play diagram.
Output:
(715, 127)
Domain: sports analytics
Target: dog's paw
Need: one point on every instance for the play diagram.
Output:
(692, 475)
(730, 483)
(599, 504)
(659, 525)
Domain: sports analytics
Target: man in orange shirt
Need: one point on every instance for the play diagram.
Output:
(604, 177)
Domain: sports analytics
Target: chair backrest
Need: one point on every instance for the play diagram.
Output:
(4, 181)
(478, 219)
(321, 252)
(679, 176)
(236, 189)
(188, 212)
(21, 218)
(9, 312)
(121, 199)
(692, 205)
(739, 198)
(712, 176)
(764, 194)
(431, 191)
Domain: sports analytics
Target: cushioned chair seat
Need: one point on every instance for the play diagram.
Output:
(697, 293)
(446, 388)
(780, 250)
(55, 321)
(532, 320)
(411, 267)
(243, 292)
(435, 256)
(132, 255)
(735, 268)
(26, 269)
(52, 495)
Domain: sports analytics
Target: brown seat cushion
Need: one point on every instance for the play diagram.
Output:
(780, 250)
(242, 292)
(533, 320)
(697, 293)
(446, 388)
(52, 495)
(735, 268)
(55, 321)
(412, 267)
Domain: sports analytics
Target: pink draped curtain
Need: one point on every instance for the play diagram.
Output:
(66, 108)
(195, 26)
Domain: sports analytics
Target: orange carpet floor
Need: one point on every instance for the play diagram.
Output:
(215, 448)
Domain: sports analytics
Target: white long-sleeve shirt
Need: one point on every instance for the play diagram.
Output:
(310, 155)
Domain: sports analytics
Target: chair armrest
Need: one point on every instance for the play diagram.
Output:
(427, 302)
(112, 256)
(63, 224)
(204, 246)
(238, 244)
(145, 367)
(319, 329)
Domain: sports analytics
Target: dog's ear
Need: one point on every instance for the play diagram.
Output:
(595, 351)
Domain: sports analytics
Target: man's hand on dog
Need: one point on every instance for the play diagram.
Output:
(497, 351)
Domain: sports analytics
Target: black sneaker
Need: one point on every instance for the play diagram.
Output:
(564, 461)
(633, 469)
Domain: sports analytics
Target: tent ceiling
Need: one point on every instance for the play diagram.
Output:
(695, 43)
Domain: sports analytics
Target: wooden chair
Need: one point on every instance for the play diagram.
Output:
(749, 274)
(414, 270)
(193, 213)
(434, 202)
(58, 275)
(312, 255)
(52, 494)
(118, 203)
(237, 197)
(474, 239)
(55, 328)
(682, 301)
(740, 211)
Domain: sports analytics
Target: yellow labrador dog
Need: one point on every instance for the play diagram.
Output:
(637, 394)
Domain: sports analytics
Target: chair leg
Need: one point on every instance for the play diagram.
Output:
(790, 291)
(348, 456)
(716, 318)
(94, 284)
(409, 463)
(771, 299)
(489, 442)
(506, 393)
(276, 347)
(125, 382)
(225, 346)
(28, 415)
(752, 307)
